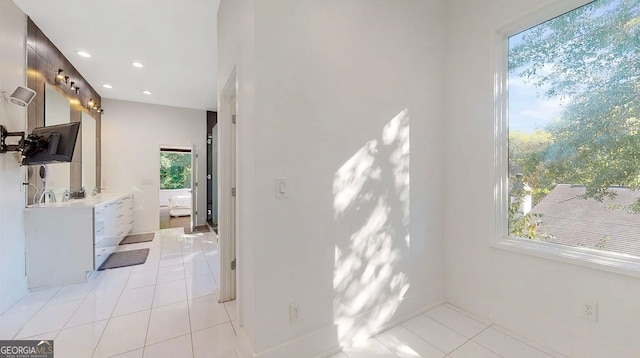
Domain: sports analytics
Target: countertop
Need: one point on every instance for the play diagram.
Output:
(89, 201)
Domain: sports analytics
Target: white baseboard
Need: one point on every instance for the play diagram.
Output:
(14, 295)
(324, 342)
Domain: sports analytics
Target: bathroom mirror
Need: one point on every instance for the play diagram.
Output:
(57, 110)
(88, 152)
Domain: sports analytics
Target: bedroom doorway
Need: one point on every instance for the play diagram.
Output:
(176, 192)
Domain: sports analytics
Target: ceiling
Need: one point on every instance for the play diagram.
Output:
(174, 40)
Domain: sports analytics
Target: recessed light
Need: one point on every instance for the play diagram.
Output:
(146, 92)
(137, 64)
(83, 53)
(107, 86)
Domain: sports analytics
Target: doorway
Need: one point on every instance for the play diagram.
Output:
(176, 192)
(228, 191)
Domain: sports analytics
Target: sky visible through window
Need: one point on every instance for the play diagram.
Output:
(574, 128)
(528, 110)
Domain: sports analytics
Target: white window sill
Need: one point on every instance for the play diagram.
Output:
(600, 260)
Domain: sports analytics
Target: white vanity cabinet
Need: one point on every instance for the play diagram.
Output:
(113, 221)
(68, 241)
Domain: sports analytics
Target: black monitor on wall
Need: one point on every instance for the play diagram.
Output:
(51, 144)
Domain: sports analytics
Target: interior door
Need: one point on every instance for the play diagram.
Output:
(228, 195)
(232, 236)
(194, 187)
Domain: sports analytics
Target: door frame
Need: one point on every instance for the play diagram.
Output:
(191, 149)
(227, 174)
(194, 187)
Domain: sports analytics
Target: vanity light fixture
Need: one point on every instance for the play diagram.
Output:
(101, 111)
(83, 54)
(137, 64)
(146, 92)
(91, 103)
(60, 75)
(77, 89)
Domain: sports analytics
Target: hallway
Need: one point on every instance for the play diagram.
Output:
(166, 307)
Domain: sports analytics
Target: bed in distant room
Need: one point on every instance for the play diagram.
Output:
(180, 205)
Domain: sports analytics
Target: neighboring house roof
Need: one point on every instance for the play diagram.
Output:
(585, 222)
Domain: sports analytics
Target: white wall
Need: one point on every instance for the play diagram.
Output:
(343, 95)
(13, 283)
(132, 134)
(537, 298)
(236, 55)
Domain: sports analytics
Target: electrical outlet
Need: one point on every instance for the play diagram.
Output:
(590, 311)
(294, 312)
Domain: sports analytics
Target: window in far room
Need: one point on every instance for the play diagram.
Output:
(574, 129)
(175, 169)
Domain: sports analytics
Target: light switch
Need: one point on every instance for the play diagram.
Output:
(281, 188)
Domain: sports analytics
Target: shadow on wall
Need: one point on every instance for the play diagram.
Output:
(371, 192)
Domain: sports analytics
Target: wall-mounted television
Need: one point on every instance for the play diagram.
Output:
(50, 144)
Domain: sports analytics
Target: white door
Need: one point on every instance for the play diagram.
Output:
(232, 233)
(228, 192)
(194, 187)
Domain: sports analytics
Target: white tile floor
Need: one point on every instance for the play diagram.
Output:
(167, 307)
(445, 332)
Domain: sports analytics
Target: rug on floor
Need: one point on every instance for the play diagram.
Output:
(201, 228)
(136, 238)
(125, 258)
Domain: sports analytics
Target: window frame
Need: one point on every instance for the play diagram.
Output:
(602, 260)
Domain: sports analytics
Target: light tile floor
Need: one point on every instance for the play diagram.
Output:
(445, 331)
(168, 307)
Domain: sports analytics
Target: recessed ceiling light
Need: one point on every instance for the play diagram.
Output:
(107, 86)
(83, 53)
(146, 92)
(137, 64)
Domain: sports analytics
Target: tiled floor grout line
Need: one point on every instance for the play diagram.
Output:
(460, 333)
(49, 301)
(197, 249)
(153, 297)
(488, 326)
(199, 252)
(458, 347)
(445, 325)
(207, 261)
(34, 313)
(471, 340)
(184, 273)
(110, 315)
(76, 310)
(513, 335)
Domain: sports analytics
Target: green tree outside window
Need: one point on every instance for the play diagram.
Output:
(175, 170)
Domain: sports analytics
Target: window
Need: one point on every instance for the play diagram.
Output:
(175, 169)
(574, 130)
